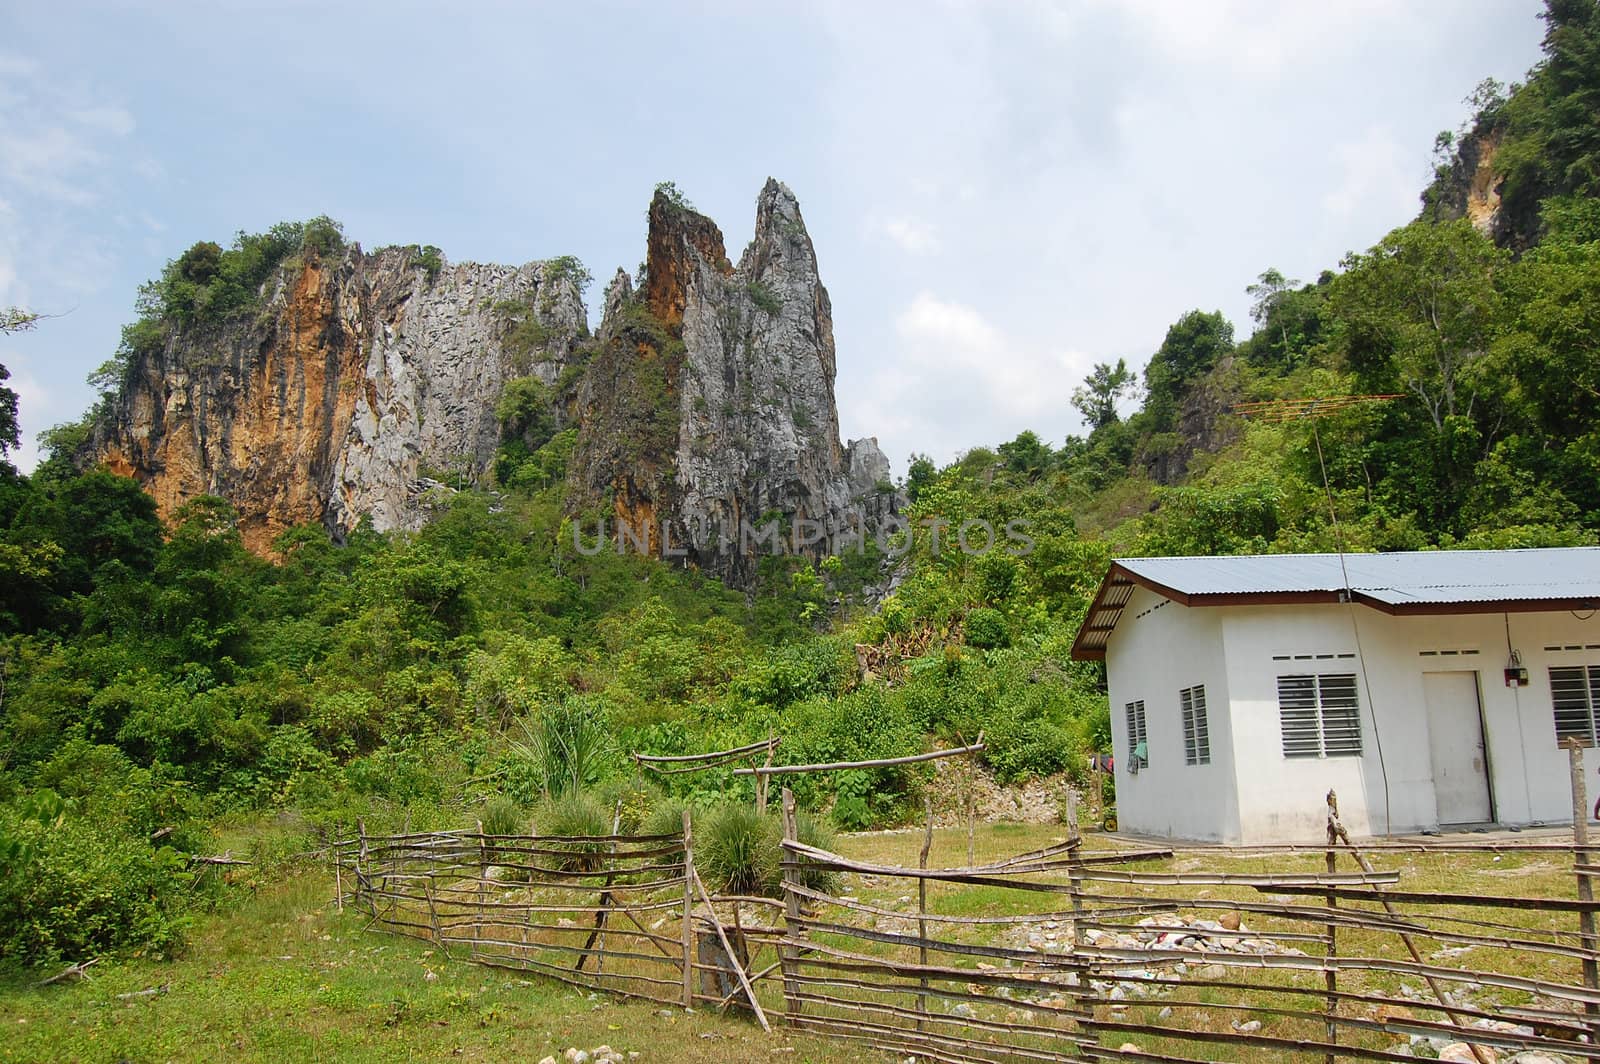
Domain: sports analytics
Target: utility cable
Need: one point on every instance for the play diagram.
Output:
(1355, 625)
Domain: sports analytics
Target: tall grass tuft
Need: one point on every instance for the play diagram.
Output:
(665, 818)
(738, 851)
(572, 824)
(817, 833)
(503, 816)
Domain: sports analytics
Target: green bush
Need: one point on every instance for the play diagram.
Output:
(75, 888)
(567, 746)
(986, 629)
(503, 816)
(737, 851)
(630, 803)
(815, 833)
(665, 818)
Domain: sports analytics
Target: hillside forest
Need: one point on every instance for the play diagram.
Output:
(161, 686)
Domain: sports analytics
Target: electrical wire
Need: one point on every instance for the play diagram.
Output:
(1355, 626)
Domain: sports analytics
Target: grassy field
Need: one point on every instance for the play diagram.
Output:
(284, 975)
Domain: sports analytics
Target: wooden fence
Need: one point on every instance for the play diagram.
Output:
(601, 912)
(1071, 952)
(1202, 958)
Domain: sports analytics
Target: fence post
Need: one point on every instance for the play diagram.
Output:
(1075, 867)
(361, 868)
(688, 911)
(972, 807)
(789, 956)
(482, 891)
(1331, 976)
(922, 906)
(1580, 855)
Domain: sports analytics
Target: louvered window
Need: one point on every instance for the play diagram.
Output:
(1196, 730)
(1320, 715)
(1136, 737)
(1575, 692)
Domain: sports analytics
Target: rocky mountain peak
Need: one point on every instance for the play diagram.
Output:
(364, 381)
(749, 361)
(681, 243)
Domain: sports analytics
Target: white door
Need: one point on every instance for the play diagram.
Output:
(1455, 742)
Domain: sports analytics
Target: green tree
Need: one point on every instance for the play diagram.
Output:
(1026, 456)
(921, 474)
(1096, 399)
(10, 430)
(1420, 309)
(1194, 344)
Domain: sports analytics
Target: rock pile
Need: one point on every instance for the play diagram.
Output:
(597, 1055)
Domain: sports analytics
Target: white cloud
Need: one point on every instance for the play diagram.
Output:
(912, 235)
(1373, 174)
(956, 380)
(113, 120)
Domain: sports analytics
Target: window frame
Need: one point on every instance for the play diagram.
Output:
(1138, 732)
(1588, 686)
(1307, 729)
(1196, 725)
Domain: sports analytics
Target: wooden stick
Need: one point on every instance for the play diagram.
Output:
(839, 766)
(688, 911)
(72, 971)
(648, 759)
(607, 902)
(922, 903)
(789, 954)
(1331, 976)
(733, 959)
(1580, 840)
(1336, 827)
(1074, 867)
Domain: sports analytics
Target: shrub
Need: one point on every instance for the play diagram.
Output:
(664, 818)
(738, 851)
(572, 824)
(814, 832)
(630, 804)
(567, 746)
(76, 888)
(503, 816)
(986, 629)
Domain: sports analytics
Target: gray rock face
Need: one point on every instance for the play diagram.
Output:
(435, 366)
(757, 428)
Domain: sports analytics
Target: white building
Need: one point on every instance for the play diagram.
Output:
(1427, 689)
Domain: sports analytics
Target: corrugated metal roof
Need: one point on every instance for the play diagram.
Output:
(1443, 576)
(1462, 581)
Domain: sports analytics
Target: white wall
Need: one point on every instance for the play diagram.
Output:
(1255, 794)
(1152, 656)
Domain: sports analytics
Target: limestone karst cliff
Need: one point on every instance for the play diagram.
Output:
(708, 413)
(357, 377)
(704, 403)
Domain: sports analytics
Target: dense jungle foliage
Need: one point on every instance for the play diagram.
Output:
(157, 680)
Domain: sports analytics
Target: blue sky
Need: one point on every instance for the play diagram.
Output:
(1001, 194)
